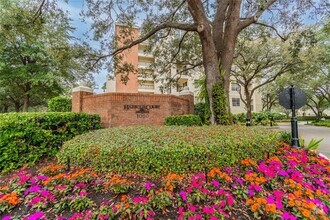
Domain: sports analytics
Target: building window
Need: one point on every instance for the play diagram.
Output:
(235, 87)
(236, 101)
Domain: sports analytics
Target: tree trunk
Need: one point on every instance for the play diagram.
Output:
(26, 104)
(210, 61)
(248, 106)
(211, 72)
(17, 106)
(5, 108)
(319, 113)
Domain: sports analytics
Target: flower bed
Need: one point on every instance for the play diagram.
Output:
(159, 150)
(292, 184)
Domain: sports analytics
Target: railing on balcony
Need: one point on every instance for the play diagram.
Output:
(144, 65)
(147, 86)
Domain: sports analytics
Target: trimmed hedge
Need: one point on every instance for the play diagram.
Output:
(25, 137)
(187, 120)
(159, 150)
(59, 104)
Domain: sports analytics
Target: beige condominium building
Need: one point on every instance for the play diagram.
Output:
(140, 83)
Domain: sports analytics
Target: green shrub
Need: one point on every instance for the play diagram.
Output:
(322, 123)
(25, 137)
(260, 118)
(200, 111)
(160, 150)
(59, 104)
(187, 120)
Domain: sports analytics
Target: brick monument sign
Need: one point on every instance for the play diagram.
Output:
(125, 109)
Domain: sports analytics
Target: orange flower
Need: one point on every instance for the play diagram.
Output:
(291, 202)
(254, 179)
(171, 179)
(5, 188)
(306, 213)
(56, 177)
(255, 207)
(297, 193)
(248, 162)
(52, 168)
(11, 198)
(274, 158)
(215, 172)
(124, 198)
(271, 208)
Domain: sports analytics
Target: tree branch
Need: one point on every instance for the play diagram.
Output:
(250, 20)
(273, 28)
(180, 26)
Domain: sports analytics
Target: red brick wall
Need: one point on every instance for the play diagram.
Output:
(111, 107)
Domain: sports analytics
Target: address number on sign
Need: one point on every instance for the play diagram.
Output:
(142, 115)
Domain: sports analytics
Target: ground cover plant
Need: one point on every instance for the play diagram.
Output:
(159, 150)
(291, 184)
(26, 137)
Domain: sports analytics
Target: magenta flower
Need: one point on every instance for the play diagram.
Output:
(32, 189)
(47, 195)
(183, 195)
(215, 183)
(288, 216)
(7, 217)
(36, 216)
(297, 176)
(149, 185)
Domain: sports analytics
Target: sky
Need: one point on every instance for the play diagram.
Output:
(74, 7)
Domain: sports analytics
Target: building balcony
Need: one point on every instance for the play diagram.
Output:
(144, 65)
(145, 54)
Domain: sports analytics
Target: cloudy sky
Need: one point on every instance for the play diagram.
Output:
(74, 7)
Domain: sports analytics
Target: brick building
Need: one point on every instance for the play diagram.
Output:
(141, 84)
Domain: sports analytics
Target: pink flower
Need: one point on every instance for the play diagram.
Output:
(208, 210)
(191, 208)
(140, 200)
(35, 200)
(81, 185)
(82, 193)
(230, 199)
